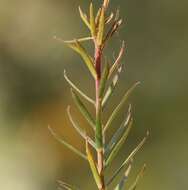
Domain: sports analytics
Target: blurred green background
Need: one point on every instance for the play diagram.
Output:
(34, 94)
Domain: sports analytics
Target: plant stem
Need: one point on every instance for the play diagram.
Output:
(98, 131)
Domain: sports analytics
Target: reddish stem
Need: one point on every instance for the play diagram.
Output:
(98, 132)
(98, 54)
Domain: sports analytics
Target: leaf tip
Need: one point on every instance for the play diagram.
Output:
(137, 83)
(147, 133)
(80, 10)
(68, 108)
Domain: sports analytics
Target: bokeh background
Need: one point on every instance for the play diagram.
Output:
(33, 93)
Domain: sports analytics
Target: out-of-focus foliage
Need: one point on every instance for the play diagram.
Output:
(33, 92)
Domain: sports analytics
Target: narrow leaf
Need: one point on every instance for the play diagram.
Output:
(109, 19)
(111, 88)
(73, 149)
(75, 125)
(64, 187)
(83, 109)
(124, 178)
(93, 166)
(98, 17)
(84, 17)
(120, 105)
(118, 134)
(80, 131)
(117, 147)
(101, 28)
(72, 41)
(67, 186)
(117, 61)
(129, 158)
(103, 80)
(87, 59)
(140, 175)
(77, 89)
(92, 21)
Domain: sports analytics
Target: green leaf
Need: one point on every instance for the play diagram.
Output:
(97, 17)
(129, 158)
(67, 186)
(77, 89)
(103, 80)
(73, 149)
(92, 21)
(84, 39)
(119, 144)
(80, 131)
(121, 184)
(76, 46)
(93, 166)
(120, 105)
(84, 17)
(140, 175)
(118, 134)
(75, 125)
(111, 88)
(101, 28)
(83, 109)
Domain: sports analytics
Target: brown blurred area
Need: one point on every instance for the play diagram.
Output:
(33, 93)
